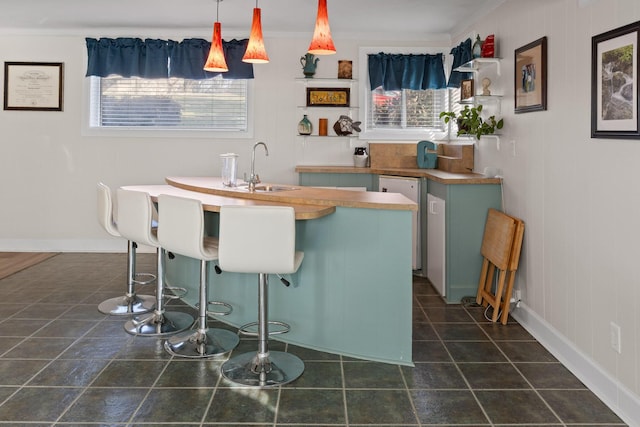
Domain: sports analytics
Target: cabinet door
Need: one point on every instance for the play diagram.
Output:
(338, 180)
(436, 243)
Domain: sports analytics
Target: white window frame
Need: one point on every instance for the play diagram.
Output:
(365, 91)
(144, 132)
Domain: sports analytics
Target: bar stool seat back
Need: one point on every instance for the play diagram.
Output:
(260, 239)
(186, 232)
(181, 231)
(136, 213)
(131, 303)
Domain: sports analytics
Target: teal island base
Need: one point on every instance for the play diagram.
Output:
(351, 296)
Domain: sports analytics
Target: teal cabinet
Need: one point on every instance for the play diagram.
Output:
(465, 216)
(340, 180)
(351, 296)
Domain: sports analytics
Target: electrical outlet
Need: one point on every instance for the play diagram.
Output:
(517, 294)
(616, 338)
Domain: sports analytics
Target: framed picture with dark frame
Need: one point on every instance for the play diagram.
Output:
(466, 89)
(530, 77)
(614, 83)
(328, 97)
(33, 86)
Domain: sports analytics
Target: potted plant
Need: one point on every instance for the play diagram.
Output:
(470, 122)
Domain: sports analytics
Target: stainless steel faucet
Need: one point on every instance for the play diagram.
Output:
(253, 177)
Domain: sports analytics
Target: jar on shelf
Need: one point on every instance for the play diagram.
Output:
(304, 126)
(323, 127)
(360, 157)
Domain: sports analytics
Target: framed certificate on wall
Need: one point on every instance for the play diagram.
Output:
(33, 86)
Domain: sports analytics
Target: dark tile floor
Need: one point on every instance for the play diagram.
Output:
(63, 363)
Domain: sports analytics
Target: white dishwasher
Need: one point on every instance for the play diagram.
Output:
(410, 188)
(436, 243)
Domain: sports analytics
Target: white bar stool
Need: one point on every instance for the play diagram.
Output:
(260, 239)
(135, 222)
(181, 231)
(131, 303)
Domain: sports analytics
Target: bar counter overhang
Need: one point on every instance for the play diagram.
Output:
(353, 292)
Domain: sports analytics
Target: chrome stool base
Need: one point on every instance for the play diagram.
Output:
(127, 306)
(276, 369)
(202, 343)
(159, 324)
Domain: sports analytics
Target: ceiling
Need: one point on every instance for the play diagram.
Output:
(391, 18)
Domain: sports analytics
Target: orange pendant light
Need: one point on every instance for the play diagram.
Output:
(322, 44)
(256, 53)
(215, 60)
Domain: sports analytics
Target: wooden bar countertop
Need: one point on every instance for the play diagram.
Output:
(432, 174)
(212, 202)
(298, 195)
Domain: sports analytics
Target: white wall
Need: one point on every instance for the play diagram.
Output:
(48, 169)
(578, 196)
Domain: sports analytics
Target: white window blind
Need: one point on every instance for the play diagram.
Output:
(406, 109)
(211, 104)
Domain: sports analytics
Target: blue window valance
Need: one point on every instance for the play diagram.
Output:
(461, 54)
(152, 58)
(399, 71)
(188, 58)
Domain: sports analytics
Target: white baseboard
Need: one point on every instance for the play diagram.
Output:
(614, 394)
(68, 245)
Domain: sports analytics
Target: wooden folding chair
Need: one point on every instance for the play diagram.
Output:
(501, 246)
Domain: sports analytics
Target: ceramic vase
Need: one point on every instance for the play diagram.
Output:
(477, 47)
(304, 126)
(309, 64)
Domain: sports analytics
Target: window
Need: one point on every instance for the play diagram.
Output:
(404, 113)
(406, 109)
(216, 104)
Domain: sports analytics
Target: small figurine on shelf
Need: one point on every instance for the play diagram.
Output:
(304, 126)
(477, 47)
(486, 82)
(345, 126)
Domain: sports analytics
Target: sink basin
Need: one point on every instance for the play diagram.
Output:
(271, 188)
(267, 188)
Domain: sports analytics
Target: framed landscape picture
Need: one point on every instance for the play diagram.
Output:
(614, 83)
(530, 82)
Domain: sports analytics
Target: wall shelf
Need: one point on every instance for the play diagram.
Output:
(318, 137)
(331, 112)
(316, 80)
(480, 99)
(475, 65)
(475, 140)
(318, 107)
